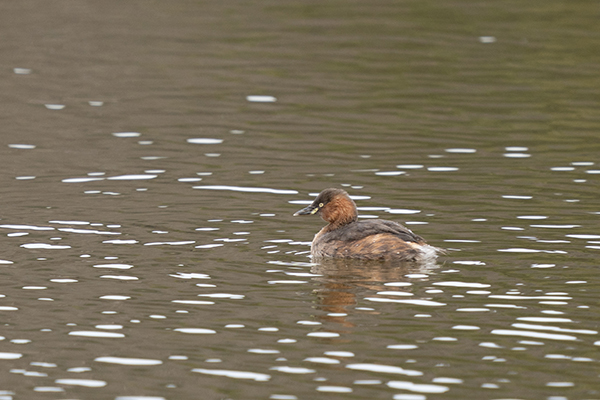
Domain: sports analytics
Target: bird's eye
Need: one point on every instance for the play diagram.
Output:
(321, 204)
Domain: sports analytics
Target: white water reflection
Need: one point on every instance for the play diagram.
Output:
(402, 211)
(132, 177)
(196, 331)
(129, 177)
(442, 169)
(48, 389)
(54, 106)
(427, 303)
(293, 370)
(419, 388)
(109, 326)
(182, 243)
(402, 346)
(554, 329)
(394, 293)
(204, 141)
(322, 360)
(81, 180)
(469, 262)
(190, 275)
(337, 353)
(323, 334)
(45, 246)
(127, 134)
(22, 146)
(127, 361)
(247, 189)
(115, 297)
(462, 284)
(517, 155)
(334, 389)
(387, 369)
(97, 334)
(22, 71)
(113, 266)
(585, 237)
(192, 302)
(92, 383)
(525, 250)
(234, 374)
(10, 356)
(461, 150)
(517, 197)
(223, 296)
(513, 297)
(28, 227)
(120, 277)
(390, 173)
(263, 351)
(208, 246)
(532, 334)
(88, 231)
(261, 99)
(565, 226)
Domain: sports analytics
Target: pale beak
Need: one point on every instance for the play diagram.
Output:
(312, 209)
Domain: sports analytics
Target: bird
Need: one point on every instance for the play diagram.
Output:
(346, 237)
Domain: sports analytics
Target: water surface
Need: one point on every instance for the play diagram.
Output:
(154, 154)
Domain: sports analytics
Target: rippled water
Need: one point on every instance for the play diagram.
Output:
(154, 154)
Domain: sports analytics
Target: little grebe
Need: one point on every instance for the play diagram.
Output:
(346, 237)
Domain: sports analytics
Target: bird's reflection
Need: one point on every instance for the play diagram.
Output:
(342, 283)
